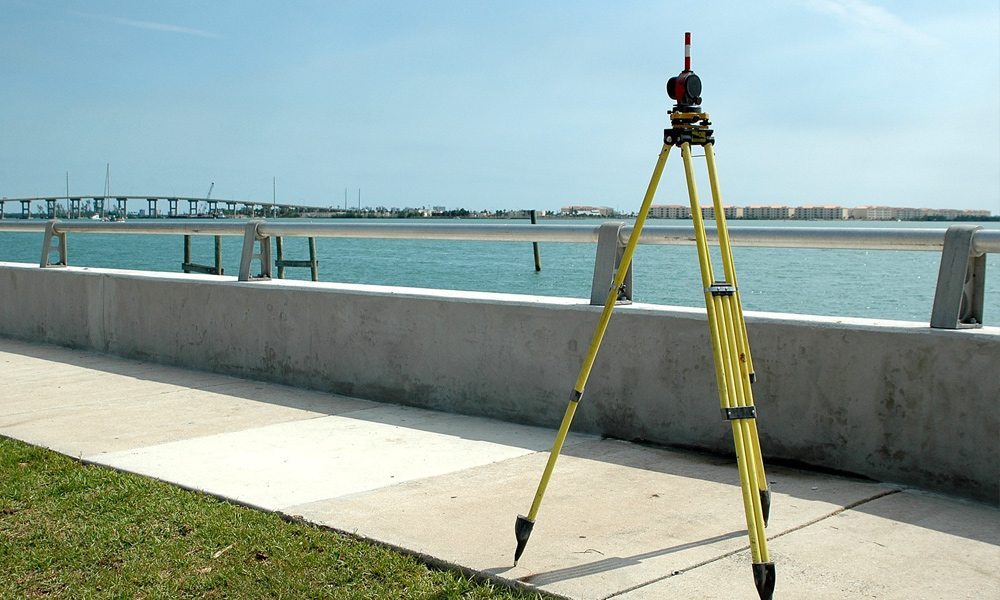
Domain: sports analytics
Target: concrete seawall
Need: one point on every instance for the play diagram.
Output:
(895, 401)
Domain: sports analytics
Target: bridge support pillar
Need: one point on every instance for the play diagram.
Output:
(25, 209)
(151, 207)
(99, 206)
(171, 207)
(74, 208)
(192, 207)
(122, 207)
(50, 208)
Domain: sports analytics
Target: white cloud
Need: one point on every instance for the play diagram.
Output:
(151, 25)
(163, 27)
(870, 17)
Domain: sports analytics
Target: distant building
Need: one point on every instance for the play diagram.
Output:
(731, 212)
(669, 211)
(874, 213)
(767, 212)
(908, 214)
(944, 213)
(820, 213)
(587, 211)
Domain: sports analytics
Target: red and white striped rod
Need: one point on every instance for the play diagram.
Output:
(687, 50)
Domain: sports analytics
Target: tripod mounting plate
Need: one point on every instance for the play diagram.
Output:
(688, 127)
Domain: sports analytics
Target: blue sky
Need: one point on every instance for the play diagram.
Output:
(488, 105)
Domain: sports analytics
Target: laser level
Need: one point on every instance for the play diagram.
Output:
(690, 126)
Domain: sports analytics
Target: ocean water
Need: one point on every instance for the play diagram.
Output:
(859, 283)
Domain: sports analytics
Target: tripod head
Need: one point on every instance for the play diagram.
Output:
(686, 87)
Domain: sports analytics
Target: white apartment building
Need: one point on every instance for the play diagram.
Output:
(874, 213)
(767, 212)
(669, 211)
(821, 213)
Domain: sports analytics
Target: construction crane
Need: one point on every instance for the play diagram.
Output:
(208, 196)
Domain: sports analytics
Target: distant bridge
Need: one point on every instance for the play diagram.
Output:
(118, 205)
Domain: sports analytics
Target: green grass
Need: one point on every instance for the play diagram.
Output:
(69, 530)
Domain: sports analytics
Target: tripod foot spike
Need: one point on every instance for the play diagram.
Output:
(763, 578)
(522, 531)
(765, 504)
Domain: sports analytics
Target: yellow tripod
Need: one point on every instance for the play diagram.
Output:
(730, 346)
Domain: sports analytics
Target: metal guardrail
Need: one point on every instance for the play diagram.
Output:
(984, 240)
(958, 299)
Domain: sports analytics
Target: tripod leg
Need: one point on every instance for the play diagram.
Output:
(744, 399)
(524, 524)
(722, 309)
(725, 249)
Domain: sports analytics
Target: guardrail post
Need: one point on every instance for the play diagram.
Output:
(610, 248)
(958, 300)
(53, 240)
(250, 238)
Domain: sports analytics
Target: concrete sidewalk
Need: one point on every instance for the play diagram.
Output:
(619, 520)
